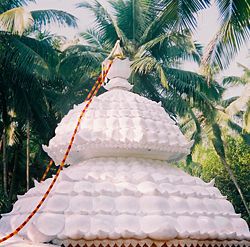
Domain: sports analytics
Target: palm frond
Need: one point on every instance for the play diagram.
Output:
(240, 104)
(169, 37)
(27, 54)
(195, 136)
(217, 140)
(175, 15)
(246, 119)
(246, 70)
(234, 80)
(134, 16)
(81, 59)
(185, 49)
(239, 130)
(94, 38)
(195, 82)
(174, 103)
(227, 102)
(10, 4)
(52, 16)
(104, 22)
(143, 85)
(233, 33)
(149, 64)
(144, 64)
(16, 20)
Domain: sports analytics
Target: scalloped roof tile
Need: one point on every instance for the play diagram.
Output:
(128, 198)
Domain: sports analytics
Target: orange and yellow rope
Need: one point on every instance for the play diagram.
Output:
(47, 170)
(91, 95)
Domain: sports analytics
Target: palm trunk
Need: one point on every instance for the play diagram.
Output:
(4, 146)
(28, 156)
(13, 182)
(5, 179)
(219, 148)
(233, 178)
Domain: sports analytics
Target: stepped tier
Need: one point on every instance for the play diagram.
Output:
(119, 123)
(126, 198)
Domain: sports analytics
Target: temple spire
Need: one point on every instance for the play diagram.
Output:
(117, 77)
(115, 53)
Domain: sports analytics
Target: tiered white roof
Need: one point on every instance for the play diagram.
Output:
(114, 198)
(120, 186)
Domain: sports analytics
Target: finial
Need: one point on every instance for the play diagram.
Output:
(115, 53)
(118, 75)
(120, 69)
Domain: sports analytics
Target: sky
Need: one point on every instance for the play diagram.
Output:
(207, 26)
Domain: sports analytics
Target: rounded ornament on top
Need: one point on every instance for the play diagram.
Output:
(118, 75)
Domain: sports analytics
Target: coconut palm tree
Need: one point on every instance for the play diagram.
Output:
(231, 36)
(233, 33)
(27, 68)
(240, 105)
(158, 46)
(14, 18)
(156, 36)
(15, 25)
(213, 122)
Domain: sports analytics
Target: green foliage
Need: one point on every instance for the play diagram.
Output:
(43, 17)
(239, 106)
(238, 157)
(30, 85)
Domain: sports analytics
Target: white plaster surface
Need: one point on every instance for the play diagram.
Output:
(17, 241)
(119, 184)
(113, 198)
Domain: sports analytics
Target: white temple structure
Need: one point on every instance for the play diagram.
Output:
(120, 188)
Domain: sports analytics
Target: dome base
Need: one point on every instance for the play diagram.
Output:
(136, 152)
(152, 243)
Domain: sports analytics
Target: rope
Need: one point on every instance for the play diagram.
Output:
(47, 170)
(101, 77)
(21, 226)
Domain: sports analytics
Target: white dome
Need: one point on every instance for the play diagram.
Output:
(119, 123)
(127, 198)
